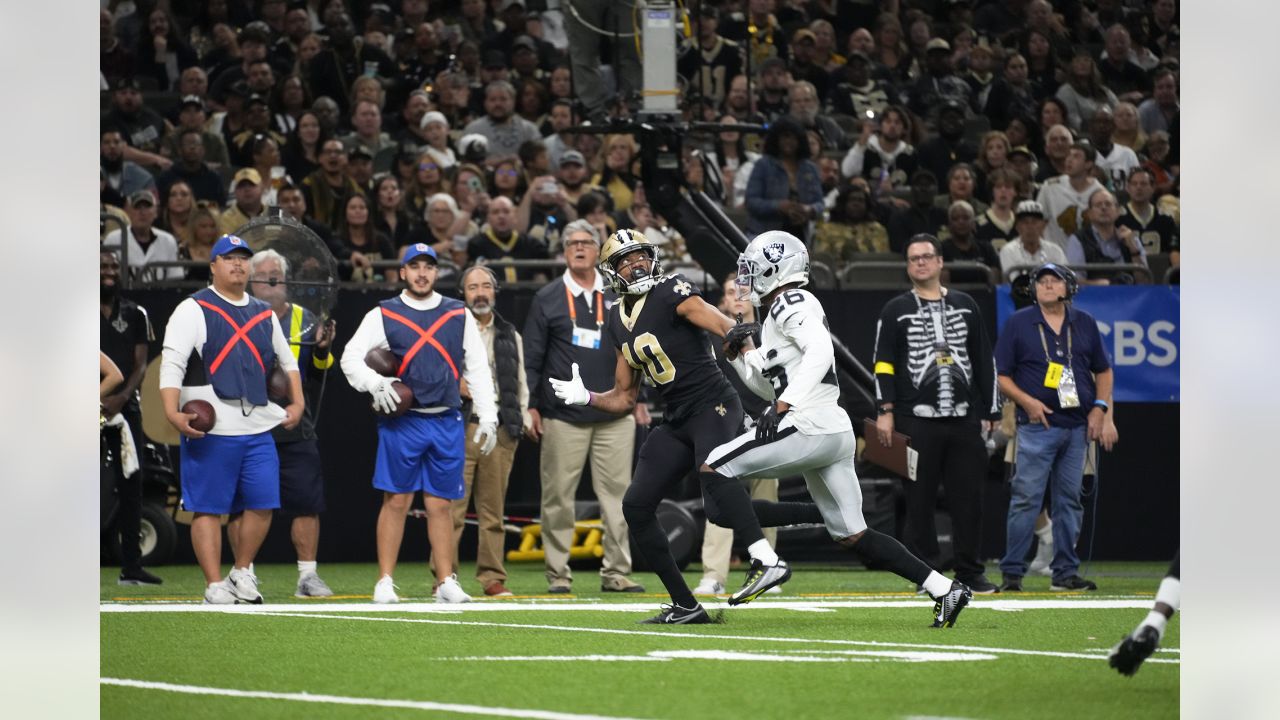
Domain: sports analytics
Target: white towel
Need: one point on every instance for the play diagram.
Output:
(128, 453)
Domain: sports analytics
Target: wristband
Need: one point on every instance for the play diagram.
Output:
(884, 410)
(1101, 404)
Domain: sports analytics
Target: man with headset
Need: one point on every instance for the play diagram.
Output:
(485, 476)
(1050, 361)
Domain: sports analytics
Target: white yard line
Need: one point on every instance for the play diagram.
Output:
(367, 702)
(646, 607)
(699, 636)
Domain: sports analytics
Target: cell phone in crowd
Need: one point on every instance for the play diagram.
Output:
(549, 188)
(460, 243)
(474, 183)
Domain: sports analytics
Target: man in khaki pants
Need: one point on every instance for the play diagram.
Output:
(486, 476)
(564, 327)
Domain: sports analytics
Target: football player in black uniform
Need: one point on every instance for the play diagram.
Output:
(661, 329)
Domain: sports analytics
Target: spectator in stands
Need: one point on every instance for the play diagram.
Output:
(123, 176)
(979, 75)
(1157, 232)
(360, 169)
(562, 329)
(892, 160)
(507, 180)
(785, 191)
(852, 228)
(859, 94)
(471, 191)
(289, 102)
(617, 178)
(230, 122)
(328, 188)
(343, 59)
(1083, 92)
(248, 186)
(890, 52)
(161, 52)
(561, 118)
(301, 154)
(997, 19)
(573, 176)
(1065, 198)
(938, 84)
(447, 228)
(1057, 145)
(921, 216)
(192, 116)
(1054, 424)
(1012, 95)
(593, 207)
(959, 241)
(250, 47)
(861, 41)
(804, 106)
(960, 186)
(544, 212)
(327, 112)
(435, 128)
(192, 170)
(390, 217)
(194, 82)
(1023, 132)
(261, 79)
(146, 243)
(428, 179)
(357, 233)
(115, 59)
(141, 127)
(737, 102)
(202, 233)
(1118, 68)
(174, 218)
(1115, 162)
(995, 226)
(941, 152)
(771, 100)
(257, 122)
(734, 161)
(504, 130)
(1158, 161)
(1128, 129)
(709, 61)
(534, 160)
(1159, 111)
(804, 66)
(824, 49)
(1102, 240)
(1029, 249)
(1043, 66)
(485, 476)
(367, 135)
(993, 154)
(498, 239)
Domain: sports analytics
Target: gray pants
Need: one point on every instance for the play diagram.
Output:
(584, 49)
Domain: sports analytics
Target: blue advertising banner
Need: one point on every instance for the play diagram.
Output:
(1140, 326)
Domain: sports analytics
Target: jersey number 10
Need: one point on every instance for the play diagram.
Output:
(652, 360)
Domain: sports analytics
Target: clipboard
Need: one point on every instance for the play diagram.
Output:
(899, 457)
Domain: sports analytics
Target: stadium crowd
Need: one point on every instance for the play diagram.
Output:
(1017, 132)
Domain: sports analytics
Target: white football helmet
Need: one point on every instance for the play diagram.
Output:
(771, 260)
(619, 245)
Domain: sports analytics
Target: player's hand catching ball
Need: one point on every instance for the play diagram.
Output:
(737, 337)
(572, 391)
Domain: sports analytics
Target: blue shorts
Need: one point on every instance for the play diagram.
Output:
(421, 452)
(230, 473)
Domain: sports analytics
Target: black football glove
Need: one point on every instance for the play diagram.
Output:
(738, 336)
(767, 424)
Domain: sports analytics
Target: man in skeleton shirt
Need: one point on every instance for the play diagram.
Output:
(936, 382)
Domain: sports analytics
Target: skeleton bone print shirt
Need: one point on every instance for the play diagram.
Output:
(933, 358)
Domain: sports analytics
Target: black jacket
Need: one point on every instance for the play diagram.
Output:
(549, 352)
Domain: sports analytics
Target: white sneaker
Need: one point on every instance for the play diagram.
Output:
(450, 591)
(219, 594)
(709, 587)
(310, 585)
(385, 591)
(1044, 557)
(244, 585)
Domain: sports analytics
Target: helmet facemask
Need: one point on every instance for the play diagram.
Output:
(647, 276)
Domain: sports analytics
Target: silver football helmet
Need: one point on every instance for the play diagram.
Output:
(771, 260)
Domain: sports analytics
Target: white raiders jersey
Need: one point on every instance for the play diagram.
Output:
(796, 363)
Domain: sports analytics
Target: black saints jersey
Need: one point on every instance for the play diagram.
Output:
(673, 353)
(709, 72)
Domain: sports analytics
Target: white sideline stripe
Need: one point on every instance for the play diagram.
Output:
(666, 634)
(480, 607)
(368, 702)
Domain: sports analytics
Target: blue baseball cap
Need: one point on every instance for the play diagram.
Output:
(418, 250)
(229, 244)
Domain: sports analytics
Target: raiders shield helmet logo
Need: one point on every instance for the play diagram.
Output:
(773, 252)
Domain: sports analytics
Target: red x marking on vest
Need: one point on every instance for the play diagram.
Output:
(242, 333)
(425, 336)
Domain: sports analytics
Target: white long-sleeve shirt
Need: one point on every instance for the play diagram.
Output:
(185, 332)
(797, 357)
(475, 364)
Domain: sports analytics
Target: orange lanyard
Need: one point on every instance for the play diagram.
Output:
(573, 311)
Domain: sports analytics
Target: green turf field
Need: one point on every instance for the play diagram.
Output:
(837, 643)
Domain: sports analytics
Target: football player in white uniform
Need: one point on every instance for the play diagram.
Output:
(806, 431)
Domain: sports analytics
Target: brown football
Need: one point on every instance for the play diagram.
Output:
(382, 361)
(278, 385)
(205, 417)
(404, 403)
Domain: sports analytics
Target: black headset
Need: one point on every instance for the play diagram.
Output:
(1067, 274)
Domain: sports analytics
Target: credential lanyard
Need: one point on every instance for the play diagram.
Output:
(1044, 344)
(573, 311)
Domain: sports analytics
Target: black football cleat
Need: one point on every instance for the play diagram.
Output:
(1128, 654)
(675, 615)
(947, 608)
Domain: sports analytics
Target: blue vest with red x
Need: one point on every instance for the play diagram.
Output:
(237, 350)
(430, 345)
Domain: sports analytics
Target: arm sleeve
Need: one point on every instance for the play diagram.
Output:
(280, 344)
(984, 366)
(475, 370)
(535, 350)
(883, 356)
(368, 336)
(748, 367)
(817, 353)
(182, 335)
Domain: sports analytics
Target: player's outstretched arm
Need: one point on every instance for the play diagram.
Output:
(704, 315)
(619, 400)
